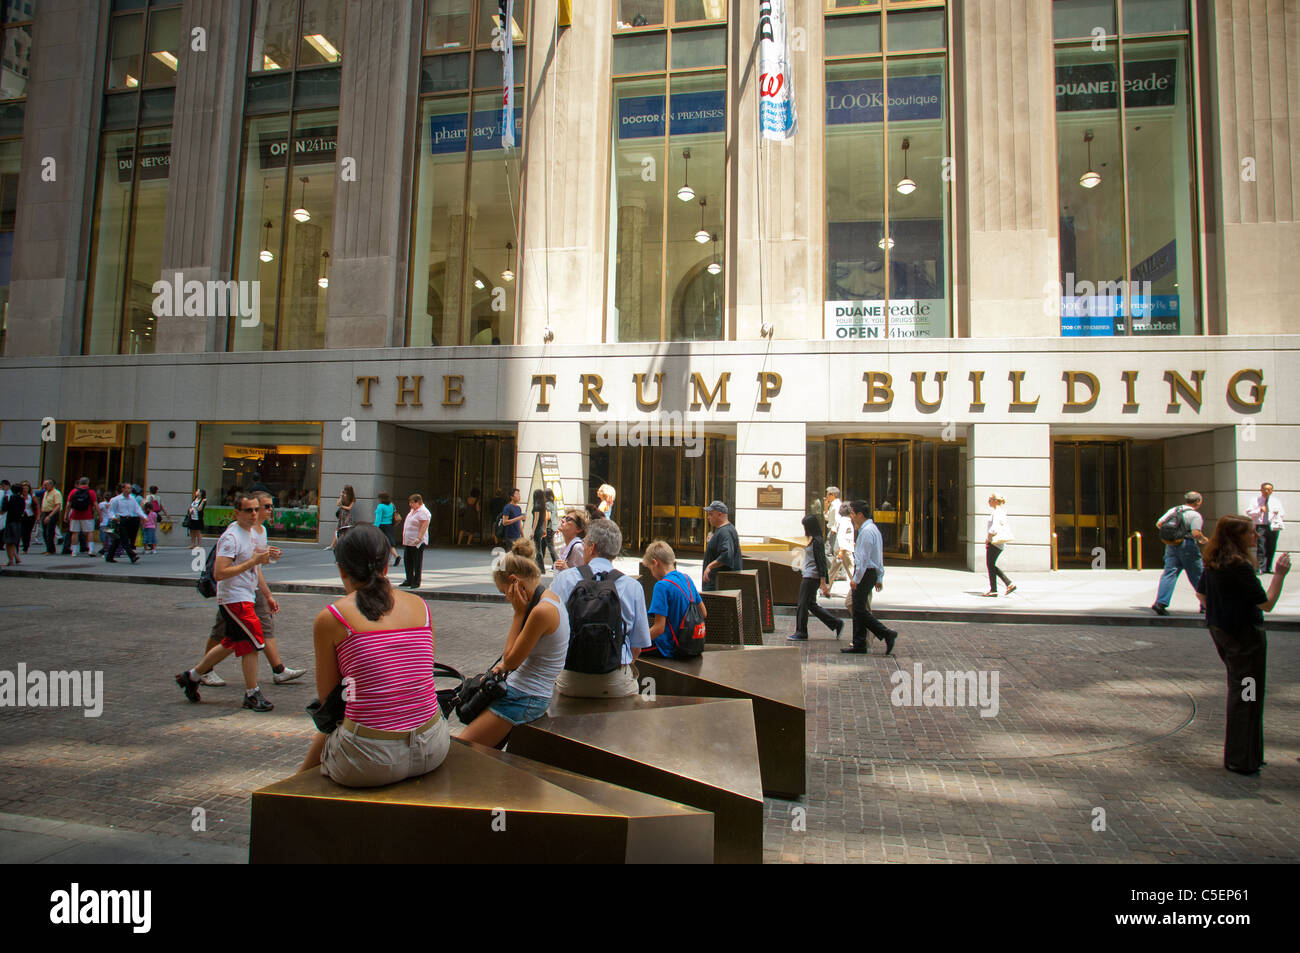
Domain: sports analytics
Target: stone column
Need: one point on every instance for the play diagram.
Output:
(361, 462)
(775, 210)
(47, 286)
(1255, 60)
(203, 185)
(769, 443)
(1007, 206)
(170, 466)
(1014, 461)
(565, 184)
(372, 213)
(1244, 457)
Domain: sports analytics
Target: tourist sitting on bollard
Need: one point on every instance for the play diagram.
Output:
(378, 644)
(607, 620)
(673, 596)
(573, 529)
(535, 647)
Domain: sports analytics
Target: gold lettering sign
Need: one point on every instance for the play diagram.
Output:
(591, 385)
(769, 385)
(234, 452)
(365, 383)
(976, 401)
(770, 497)
(1130, 391)
(1072, 378)
(541, 381)
(641, 402)
(83, 434)
(705, 397)
(923, 405)
(1178, 385)
(1257, 388)
(451, 390)
(412, 390)
(1017, 405)
(880, 390)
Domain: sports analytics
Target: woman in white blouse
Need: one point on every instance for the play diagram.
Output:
(997, 534)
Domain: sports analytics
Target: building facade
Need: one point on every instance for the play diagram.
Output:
(1028, 247)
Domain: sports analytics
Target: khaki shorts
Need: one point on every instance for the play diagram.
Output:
(616, 684)
(357, 762)
(81, 526)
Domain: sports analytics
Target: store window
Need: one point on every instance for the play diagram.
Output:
(283, 459)
(465, 243)
(888, 198)
(131, 184)
(16, 42)
(287, 172)
(667, 174)
(107, 453)
(1126, 176)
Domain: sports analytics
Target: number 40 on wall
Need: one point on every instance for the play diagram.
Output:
(773, 469)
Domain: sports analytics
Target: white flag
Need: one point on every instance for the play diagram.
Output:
(504, 40)
(776, 112)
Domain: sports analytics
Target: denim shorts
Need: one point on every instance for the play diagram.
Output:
(518, 708)
(149, 537)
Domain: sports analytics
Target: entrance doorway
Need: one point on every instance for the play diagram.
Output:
(662, 491)
(460, 464)
(913, 485)
(1103, 491)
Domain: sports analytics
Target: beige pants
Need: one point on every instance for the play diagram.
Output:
(616, 684)
(843, 559)
(358, 762)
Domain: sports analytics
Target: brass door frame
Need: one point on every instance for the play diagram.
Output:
(1124, 499)
(458, 436)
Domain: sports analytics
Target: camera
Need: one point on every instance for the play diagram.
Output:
(479, 692)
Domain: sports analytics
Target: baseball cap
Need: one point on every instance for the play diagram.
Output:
(716, 506)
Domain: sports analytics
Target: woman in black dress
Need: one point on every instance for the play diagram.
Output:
(541, 526)
(1235, 604)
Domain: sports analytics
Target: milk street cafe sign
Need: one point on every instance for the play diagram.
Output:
(1243, 391)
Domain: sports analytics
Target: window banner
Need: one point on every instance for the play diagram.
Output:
(642, 117)
(776, 112)
(865, 320)
(503, 40)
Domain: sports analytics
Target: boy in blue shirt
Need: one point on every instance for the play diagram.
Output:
(673, 593)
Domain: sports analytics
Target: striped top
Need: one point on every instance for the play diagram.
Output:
(392, 675)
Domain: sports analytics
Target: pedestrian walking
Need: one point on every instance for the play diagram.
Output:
(831, 515)
(468, 522)
(415, 536)
(815, 578)
(1267, 514)
(997, 533)
(1235, 604)
(1180, 528)
(842, 555)
(81, 508)
(51, 507)
(30, 507)
(14, 505)
(194, 517)
(512, 519)
(553, 523)
(126, 510)
(385, 522)
(343, 513)
(868, 574)
(540, 527)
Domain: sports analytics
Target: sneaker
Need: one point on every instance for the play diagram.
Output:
(256, 701)
(212, 678)
(288, 675)
(190, 686)
(797, 637)
(1158, 609)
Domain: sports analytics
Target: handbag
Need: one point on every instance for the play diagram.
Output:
(328, 714)
(448, 698)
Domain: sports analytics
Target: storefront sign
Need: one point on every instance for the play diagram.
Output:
(81, 434)
(863, 320)
(155, 162)
(310, 146)
(863, 100)
(447, 132)
(1093, 86)
(246, 453)
(642, 117)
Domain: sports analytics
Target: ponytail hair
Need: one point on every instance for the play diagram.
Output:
(362, 554)
(521, 561)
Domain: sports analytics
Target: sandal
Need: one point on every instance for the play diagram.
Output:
(990, 594)
(1011, 589)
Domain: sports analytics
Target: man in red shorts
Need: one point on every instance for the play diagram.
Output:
(241, 552)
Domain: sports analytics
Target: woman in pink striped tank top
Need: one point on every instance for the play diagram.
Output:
(380, 643)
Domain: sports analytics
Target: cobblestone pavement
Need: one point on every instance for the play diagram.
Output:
(1126, 720)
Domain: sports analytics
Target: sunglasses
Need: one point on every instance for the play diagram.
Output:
(567, 519)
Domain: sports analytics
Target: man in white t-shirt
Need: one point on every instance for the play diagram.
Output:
(843, 557)
(241, 553)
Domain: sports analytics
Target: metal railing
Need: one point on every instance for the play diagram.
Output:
(1134, 545)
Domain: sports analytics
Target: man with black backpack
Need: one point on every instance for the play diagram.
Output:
(608, 626)
(677, 610)
(1180, 530)
(82, 506)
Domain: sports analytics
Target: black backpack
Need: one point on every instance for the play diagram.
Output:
(596, 633)
(688, 639)
(1173, 528)
(80, 499)
(207, 584)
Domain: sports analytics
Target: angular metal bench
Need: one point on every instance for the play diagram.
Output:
(766, 619)
(783, 581)
(697, 751)
(480, 806)
(769, 676)
(751, 613)
(724, 622)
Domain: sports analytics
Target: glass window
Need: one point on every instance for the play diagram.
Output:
(153, 164)
(321, 33)
(1155, 16)
(125, 43)
(489, 17)
(164, 44)
(283, 459)
(1073, 19)
(437, 260)
(13, 11)
(446, 24)
(1127, 189)
(10, 158)
(275, 25)
(643, 53)
(887, 201)
(694, 48)
(688, 11)
(110, 238)
(17, 61)
(637, 13)
(637, 208)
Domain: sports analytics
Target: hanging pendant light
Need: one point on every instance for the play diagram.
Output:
(265, 254)
(715, 266)
(1089, 179)
(702, 236)
(906, 186)
(324, 279)
(301, 213)
(686, 193)
(507, 274)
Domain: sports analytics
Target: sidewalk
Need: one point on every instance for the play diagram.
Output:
(1101, 597)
